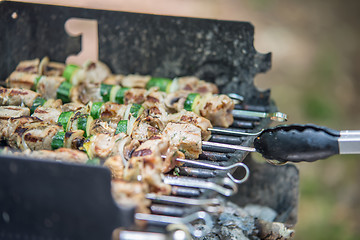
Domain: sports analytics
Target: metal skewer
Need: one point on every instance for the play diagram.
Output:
(228, 146)
(208, 204)
(224, 186)
(233, 132)
(275, 116)
(211, 166)
(187, 220)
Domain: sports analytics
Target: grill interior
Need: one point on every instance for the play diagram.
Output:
(217, 51)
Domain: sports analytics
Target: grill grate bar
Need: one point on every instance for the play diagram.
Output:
(244, 124)
(168, 210)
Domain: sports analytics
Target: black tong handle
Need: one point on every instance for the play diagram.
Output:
(296, 143)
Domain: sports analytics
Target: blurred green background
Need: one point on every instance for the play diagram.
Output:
(314, 79)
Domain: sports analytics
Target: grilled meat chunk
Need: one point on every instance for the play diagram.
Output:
(47, 114)
(29, 66)
(192, 118)
(132, 193)
(146, 164)
(112, 111)
(218, 109)
(22, 80)
(114, 79)
(194, 84)
(17, 97)
(7, 112)
(143, 130)
(116, 166)
(134, 95)
(61, 154)
(48, 68)
(134, 81)
(33, 136)
(96, 72)
(186, 137)
(101, 145)
(48, 85)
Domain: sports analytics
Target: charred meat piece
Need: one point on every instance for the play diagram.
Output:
(17, 97)
(135, 81)
(192, 118)
(7, 112)
(61, 154)
(47, 86)
(134, 95)
(48, 68)
(101, 145)
(218, 109)
(186, 137)
(194, 84)
(47, 114)
(112, 111)
(146, 164)
(116, 166)
(29, 66)
(33, 136)
(132, 193)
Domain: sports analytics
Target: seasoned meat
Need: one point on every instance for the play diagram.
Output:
(135, 81)
(21, 80)
(194, 84)
(112, 111)
(192, 118)
(131, 193)
(33, 136)
(72, 107)
(96, 72)
(53, 103)
(143, 130)
(7, 112)
(61, 154)
(86, 92)
(116, 166)
(101, 145)
(100, 127)
(134, 95)
(47, 114)
(17, 97)
(29, 66)
(218, 109)
(114, 79)
(48, 68)
(11, 125)
(186, 137)
(146, 164)
(154, 105)
(169, 162)
(47, 86)
(175, 101)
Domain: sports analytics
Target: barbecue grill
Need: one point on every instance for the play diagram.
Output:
(217, 51)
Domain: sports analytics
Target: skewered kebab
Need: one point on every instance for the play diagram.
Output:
(98, 72)
(86, 93)
(216, 108)
(103, 148)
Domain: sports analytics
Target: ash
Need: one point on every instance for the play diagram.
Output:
(251, 222)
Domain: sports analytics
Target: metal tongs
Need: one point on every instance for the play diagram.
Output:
(297, 143)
